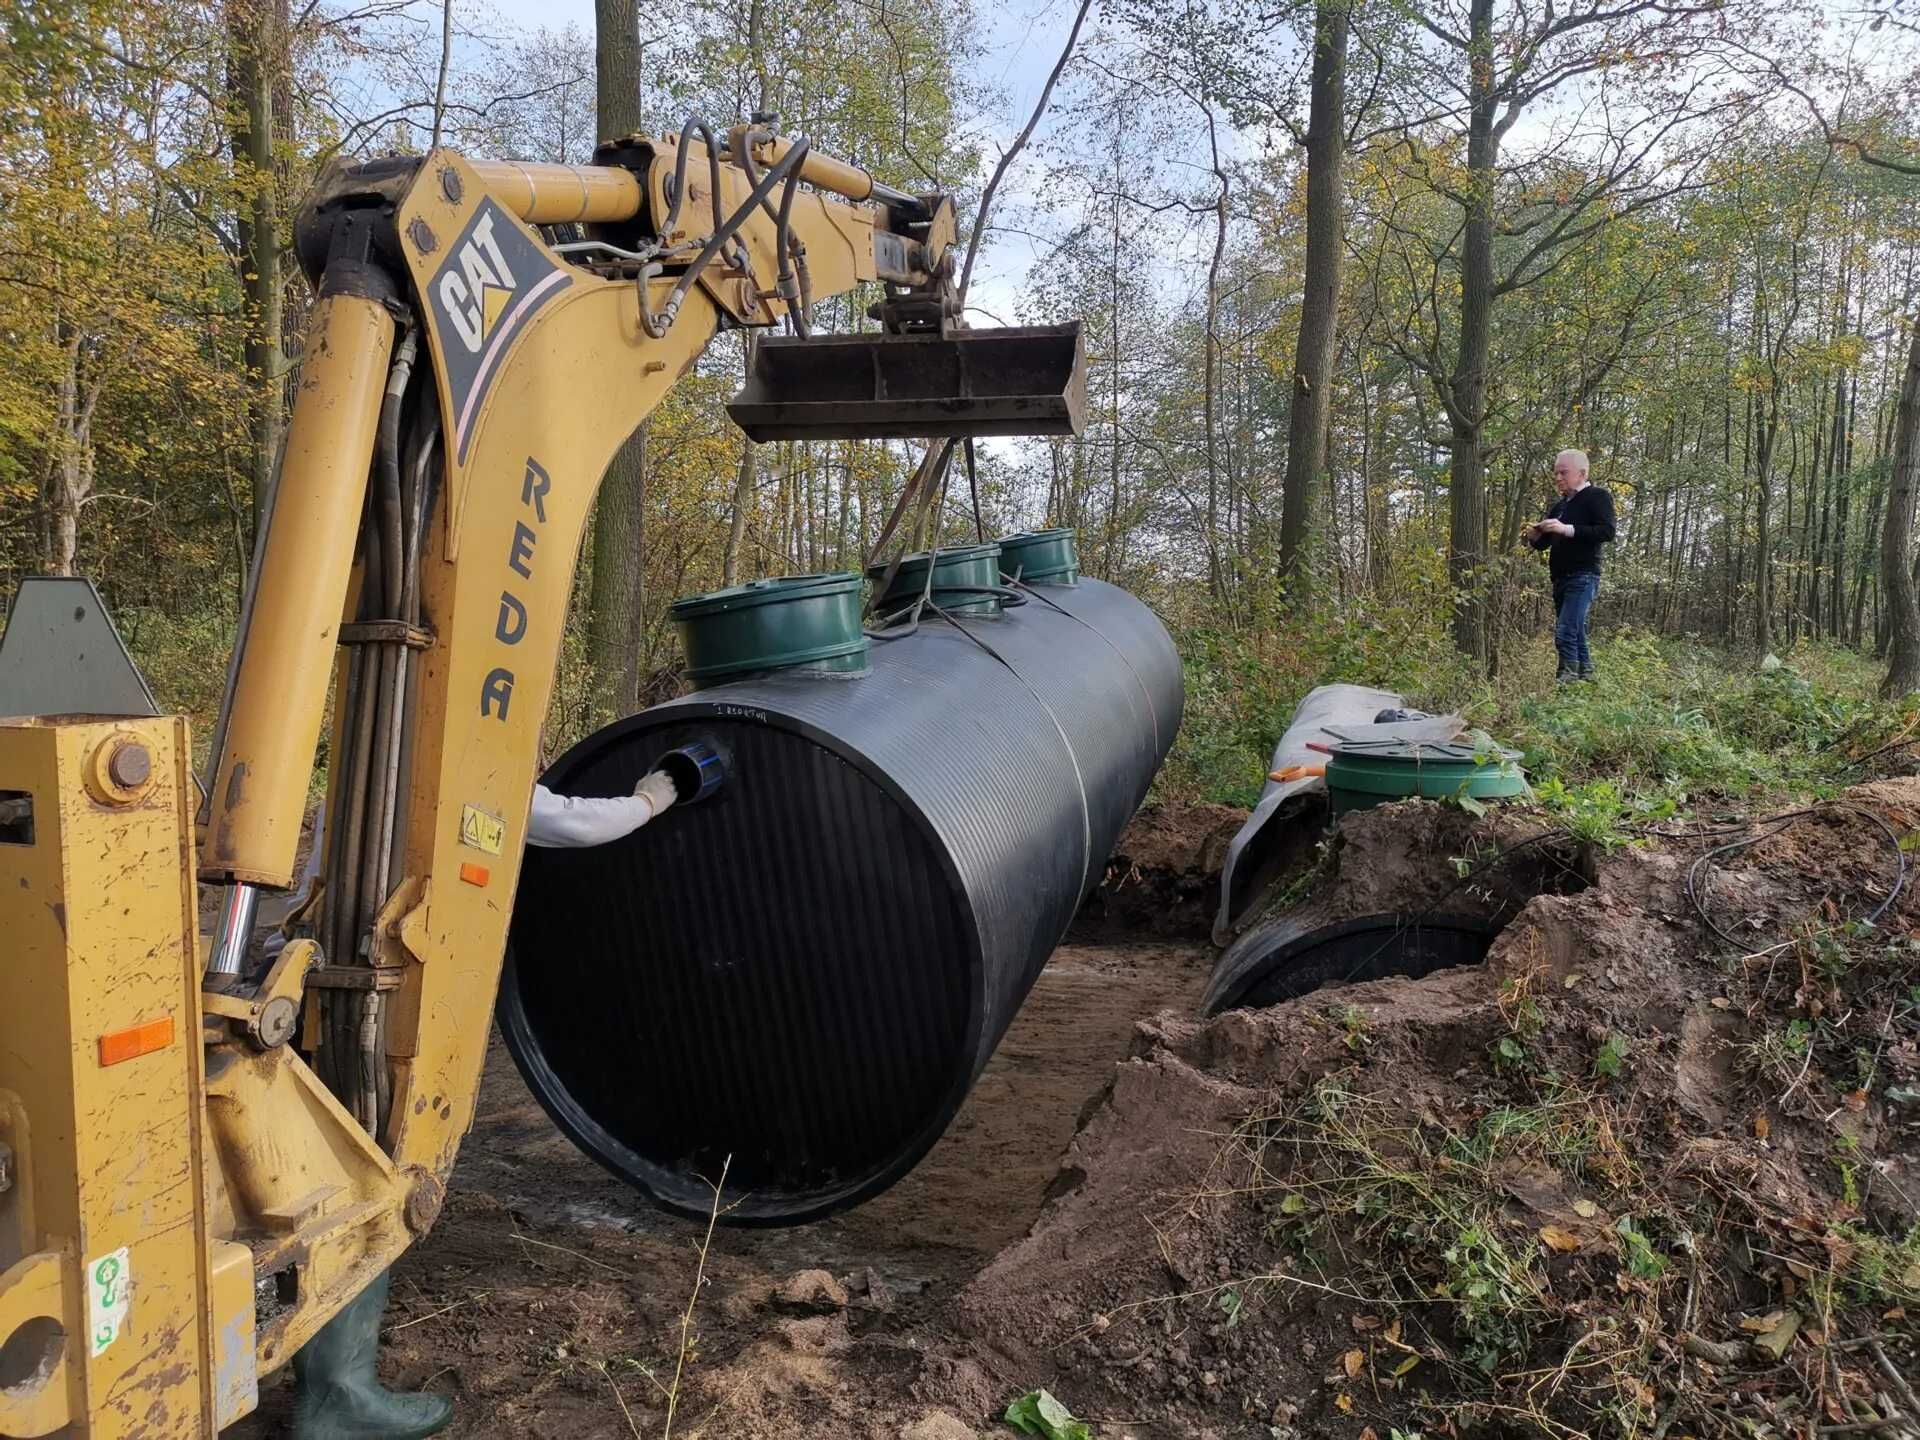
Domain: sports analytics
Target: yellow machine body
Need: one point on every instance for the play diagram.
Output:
(121, 1310)
(183, 1201)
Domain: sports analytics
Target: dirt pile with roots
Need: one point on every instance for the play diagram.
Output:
(1623, 1178)
(1651, 1170)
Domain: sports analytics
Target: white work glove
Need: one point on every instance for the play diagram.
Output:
(657, 790)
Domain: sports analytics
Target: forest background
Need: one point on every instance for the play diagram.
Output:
(1351, 274)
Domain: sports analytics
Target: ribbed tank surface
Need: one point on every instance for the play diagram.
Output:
(802, 976)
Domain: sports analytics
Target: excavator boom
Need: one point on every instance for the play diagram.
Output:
(205, 1154)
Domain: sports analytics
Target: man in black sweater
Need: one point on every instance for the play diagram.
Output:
(1580, 522)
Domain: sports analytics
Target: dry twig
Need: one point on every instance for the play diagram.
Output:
(693, 1299)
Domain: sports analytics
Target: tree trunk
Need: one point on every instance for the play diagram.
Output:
(67, 482)
(743, 483)
(1763, 545)
(1216, 582)
(66, 538)
(256, 60)
(1896, 578)
(1863, 571)
(1320, 304)
(1843, 419)
(615, 603)
(1467, 536)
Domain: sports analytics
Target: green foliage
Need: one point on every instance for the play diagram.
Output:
(1845, 1158)
(1242, 685)
(1667, 726)
(1230, 1302)
(1597, 812)
(1879, 1270)
(1642, 1260)
(1434, 1200)
(1509, 1054)
(1038, 1413)
(1353, 1020)
(184, 659)
(1610, 1062)
(1492, 1294)
(1668, 720)
(1780, 1053)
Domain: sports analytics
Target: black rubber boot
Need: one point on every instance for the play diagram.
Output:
(339, 1396)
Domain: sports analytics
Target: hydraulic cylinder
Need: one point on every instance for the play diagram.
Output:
(260, 784)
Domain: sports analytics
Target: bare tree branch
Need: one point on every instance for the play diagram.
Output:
(1019, 144)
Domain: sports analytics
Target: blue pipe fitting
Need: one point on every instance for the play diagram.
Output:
(696, 770)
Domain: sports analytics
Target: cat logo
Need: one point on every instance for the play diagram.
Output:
(475, 295)
(492, 282)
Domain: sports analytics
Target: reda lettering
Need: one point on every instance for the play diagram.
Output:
(510, 624)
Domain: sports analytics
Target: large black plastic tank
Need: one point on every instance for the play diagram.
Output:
(802, 976)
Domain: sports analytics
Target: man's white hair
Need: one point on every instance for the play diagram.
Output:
(1578, 457)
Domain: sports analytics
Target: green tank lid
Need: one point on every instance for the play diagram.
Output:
(1362, 774)
(961, 578)
(1041, 557)
(778, 624)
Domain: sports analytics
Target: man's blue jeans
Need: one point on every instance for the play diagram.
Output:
(1572, 602)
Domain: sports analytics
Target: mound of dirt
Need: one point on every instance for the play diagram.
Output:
(1622, 1179)
(1415, 858)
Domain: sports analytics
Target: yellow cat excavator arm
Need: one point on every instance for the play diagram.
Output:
(201, 1163)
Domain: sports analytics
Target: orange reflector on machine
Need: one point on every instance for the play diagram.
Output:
(136, 1040)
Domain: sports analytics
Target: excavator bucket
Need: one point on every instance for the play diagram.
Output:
(1015, 381)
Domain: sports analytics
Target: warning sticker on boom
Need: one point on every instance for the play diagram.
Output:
(109, 1295)
(481, 831)
(490, 285)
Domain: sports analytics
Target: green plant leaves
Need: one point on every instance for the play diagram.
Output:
(1611, 1060)
(1230, 1302)
(1038, 1413)
(1643, 1261)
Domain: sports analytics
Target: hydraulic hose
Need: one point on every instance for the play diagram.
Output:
(795, 283)
(792, 254)
(658, 325)
(694, 126)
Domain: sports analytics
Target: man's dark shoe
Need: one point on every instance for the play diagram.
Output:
(339, 1395)
(1566, 677)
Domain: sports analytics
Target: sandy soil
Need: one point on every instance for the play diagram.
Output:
(544, 1268)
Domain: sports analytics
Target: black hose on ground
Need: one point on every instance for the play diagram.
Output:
(1779, 825)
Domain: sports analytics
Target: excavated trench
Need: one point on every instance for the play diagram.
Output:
(1426, 925)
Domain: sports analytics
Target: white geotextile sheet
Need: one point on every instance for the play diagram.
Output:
(1328, 713)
